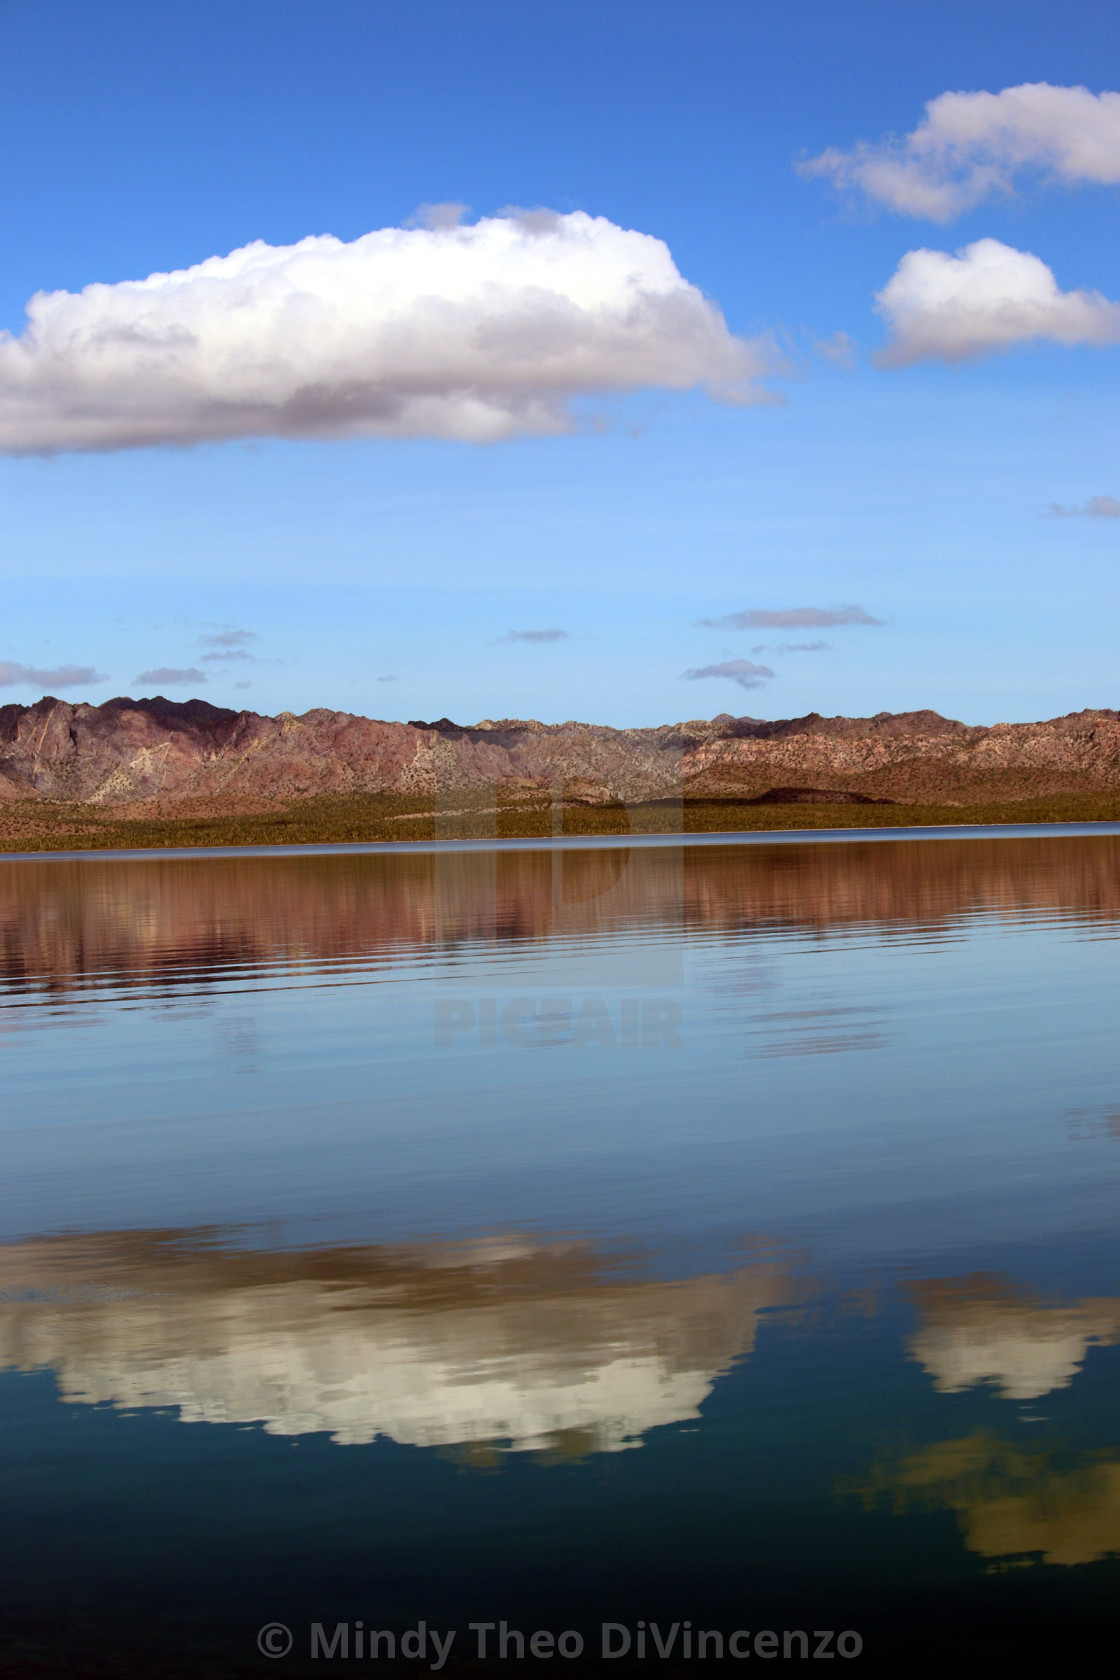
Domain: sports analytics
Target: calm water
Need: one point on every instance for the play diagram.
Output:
(722, 1236)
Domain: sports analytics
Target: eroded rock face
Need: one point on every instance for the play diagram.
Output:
(129, 750)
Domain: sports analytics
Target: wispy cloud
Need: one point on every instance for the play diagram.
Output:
(535, 636)
(57, 676)
(475, 333)
(740, 671)
(947, 307)
(794, 647)
(791, 618)
(1097, 507)
(170, 676)
(970, 146)
(841, 350)
(229, 638)
(230, 647)
(387, 679)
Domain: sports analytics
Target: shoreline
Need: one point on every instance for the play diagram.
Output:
(392, 823)
(582, 842)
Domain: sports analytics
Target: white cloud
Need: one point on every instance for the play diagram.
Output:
(740, 671)
(970, 145)
(58, 676)
(475, 333)
(535, 636)
(985, 297)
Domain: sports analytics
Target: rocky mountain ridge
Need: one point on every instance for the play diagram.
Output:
(127, 751)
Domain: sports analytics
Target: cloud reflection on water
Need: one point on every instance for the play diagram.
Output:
(509, 1341)
(515, 1344)
(979, 1329)
(1011, 1505)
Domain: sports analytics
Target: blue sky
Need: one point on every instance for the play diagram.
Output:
(140, 139)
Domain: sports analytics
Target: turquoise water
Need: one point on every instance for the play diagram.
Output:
(718, 1235)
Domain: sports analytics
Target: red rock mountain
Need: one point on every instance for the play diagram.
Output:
(130, 750)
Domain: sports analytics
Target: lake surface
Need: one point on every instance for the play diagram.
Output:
(721, 1235)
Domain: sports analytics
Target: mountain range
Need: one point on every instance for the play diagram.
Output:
(127, 751)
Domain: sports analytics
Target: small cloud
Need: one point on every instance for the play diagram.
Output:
(230, 638)
(740, 671)
(804, 647)
(792, 618)
(170, 677)
(538, 219)
(841, 350)
(1097, 507)
(232, 653)
(535, 636)
(438, 218)
(61, 676)
(952, 306)
(243, 685)
(387, 679)
(972, 146)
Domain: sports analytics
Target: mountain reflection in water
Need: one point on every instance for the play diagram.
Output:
(154, 920)
(534, 1345)
(282, 1104)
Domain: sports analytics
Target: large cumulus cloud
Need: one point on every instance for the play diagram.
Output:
(474, 332)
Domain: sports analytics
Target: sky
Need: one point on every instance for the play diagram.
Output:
(623, 360)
